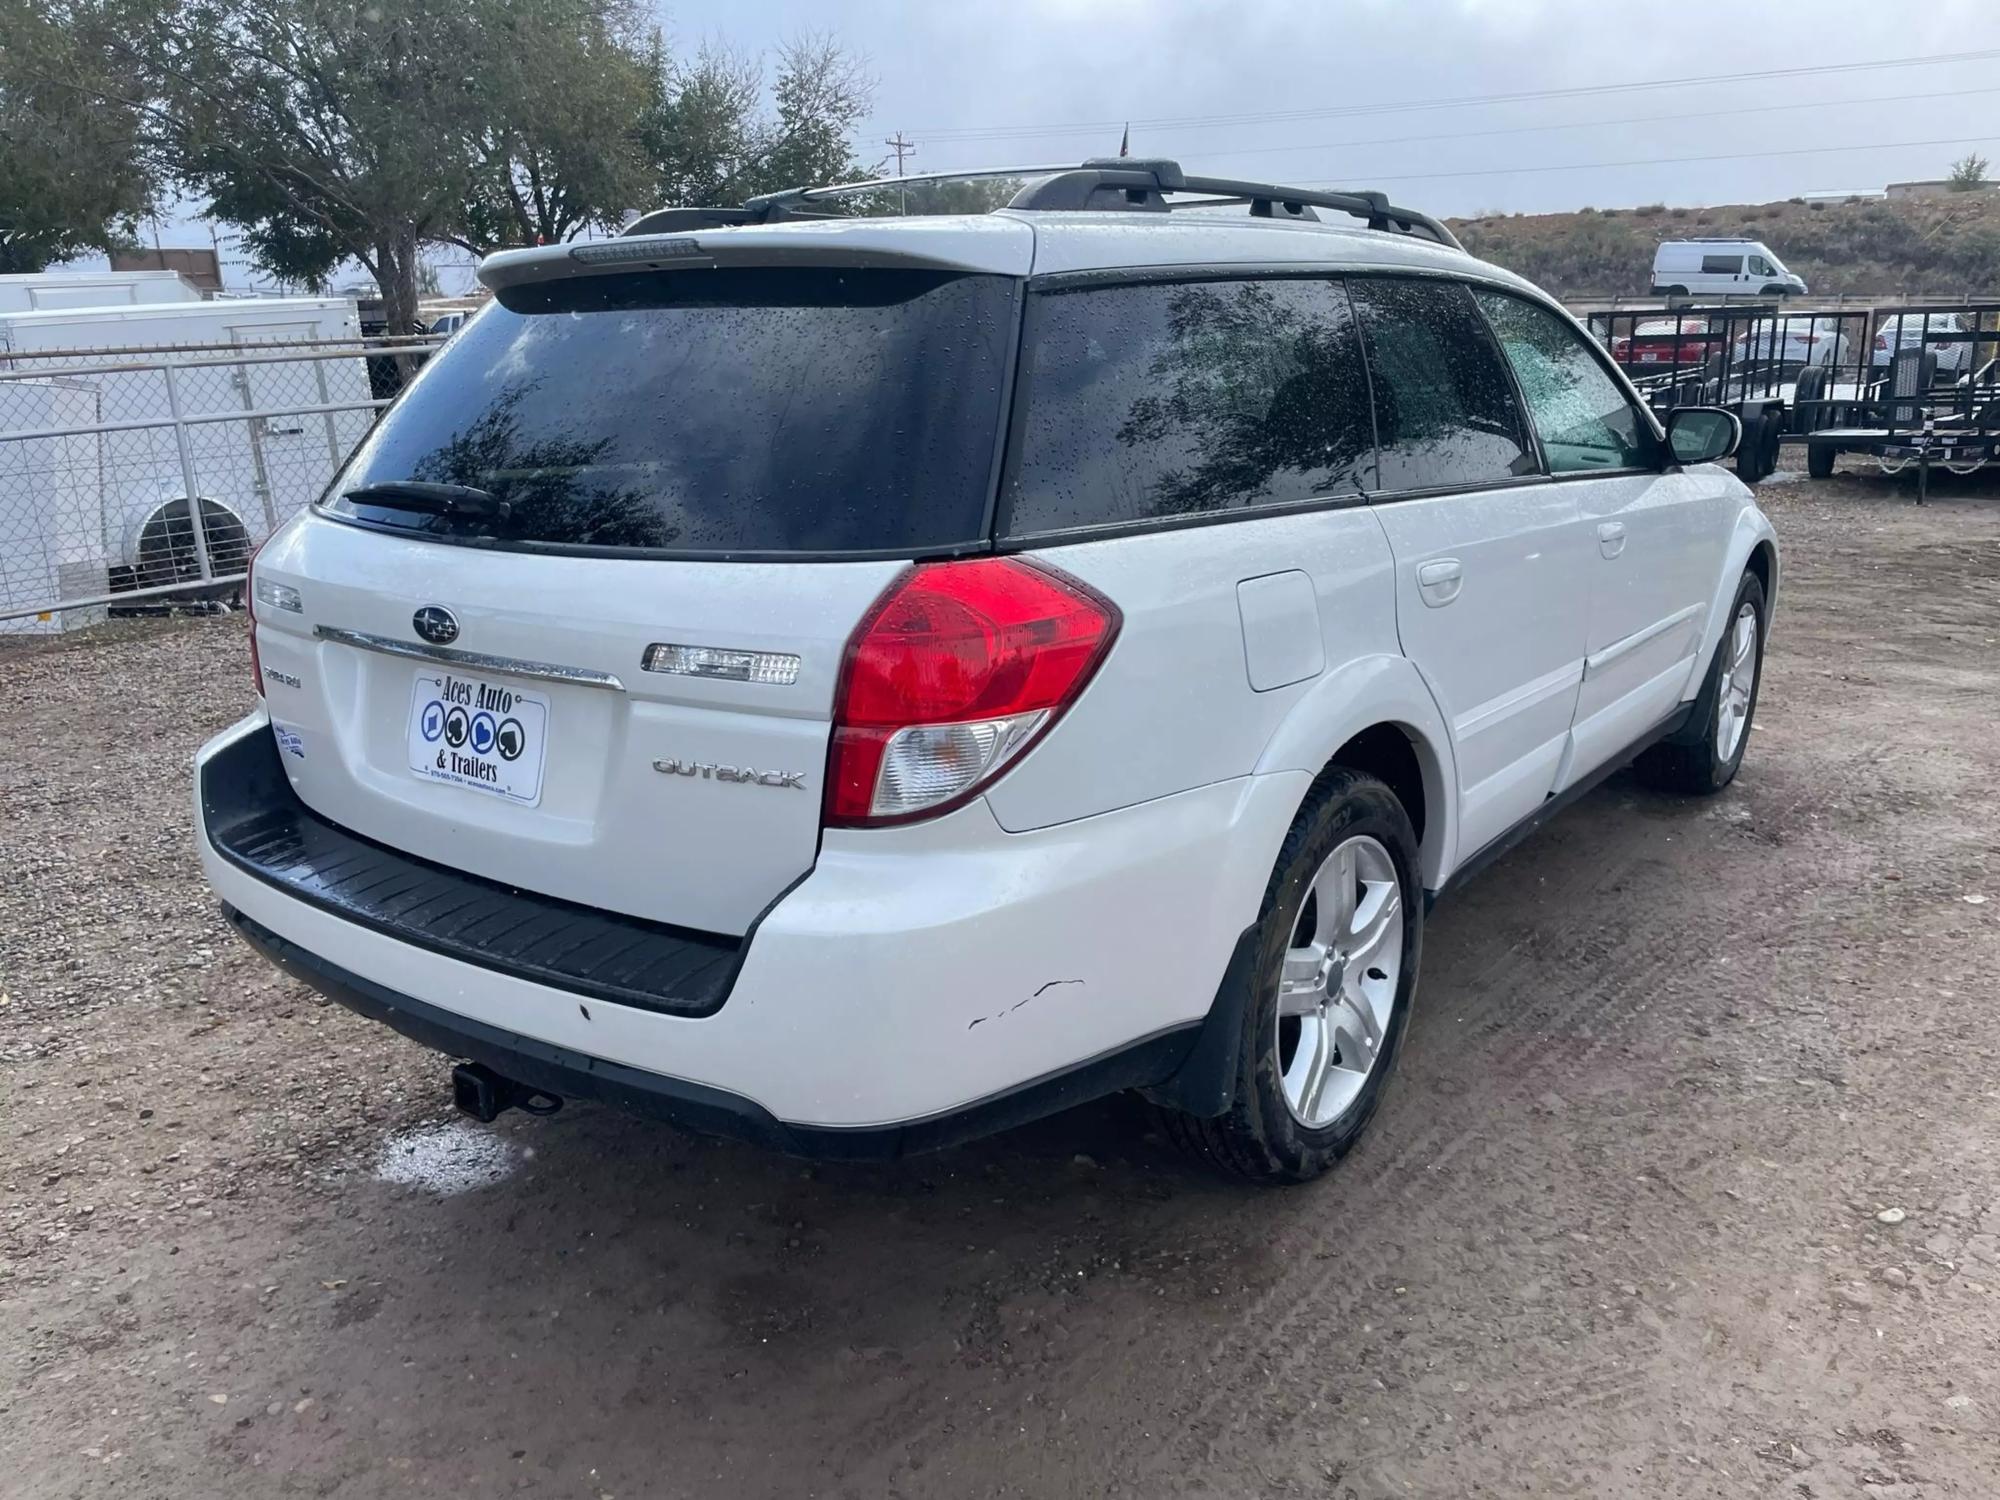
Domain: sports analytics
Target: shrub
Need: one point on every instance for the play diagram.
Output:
(1649, 210)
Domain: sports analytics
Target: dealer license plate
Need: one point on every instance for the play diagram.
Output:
(476, 733)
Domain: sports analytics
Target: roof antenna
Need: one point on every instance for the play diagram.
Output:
(1125, 141)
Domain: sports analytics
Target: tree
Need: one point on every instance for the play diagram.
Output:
(711, 143)
(702, 128)
(1969, 174)
(73, 173)
(325, 128)
(820, 94)
(563, 140)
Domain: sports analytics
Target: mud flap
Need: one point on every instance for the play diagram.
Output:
(1205, 1083)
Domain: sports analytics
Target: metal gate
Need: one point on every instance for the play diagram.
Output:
(140, 477)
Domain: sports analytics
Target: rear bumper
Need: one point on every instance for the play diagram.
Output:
(573, 1075)
(930, 981)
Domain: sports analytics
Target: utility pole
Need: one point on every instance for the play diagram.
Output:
(902, 148)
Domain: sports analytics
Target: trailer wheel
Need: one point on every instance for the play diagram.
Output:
(1807, 414)
(1757, 456)
(1819, 460)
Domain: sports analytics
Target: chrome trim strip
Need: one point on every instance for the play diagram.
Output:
(1595, 664)
(1547, 686)
(472, 661)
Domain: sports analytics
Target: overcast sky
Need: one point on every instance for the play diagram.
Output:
(1347, 72)
(1363, 92)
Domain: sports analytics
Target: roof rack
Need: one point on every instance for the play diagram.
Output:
(1116, 183)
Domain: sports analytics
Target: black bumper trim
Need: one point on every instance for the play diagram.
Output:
(253, 819)
(1146, 1063)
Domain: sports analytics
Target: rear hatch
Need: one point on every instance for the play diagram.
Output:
(573, 616)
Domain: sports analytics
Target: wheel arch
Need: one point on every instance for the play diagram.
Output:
(1753, 548)
(1377, 715)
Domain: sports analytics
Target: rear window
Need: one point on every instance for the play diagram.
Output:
(710, 412)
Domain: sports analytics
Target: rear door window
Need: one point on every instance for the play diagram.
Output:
(1445, 412)
(708, 413)
(1169, 399)
(1582, 414)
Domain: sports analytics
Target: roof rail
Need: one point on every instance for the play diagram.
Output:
(1118, 183)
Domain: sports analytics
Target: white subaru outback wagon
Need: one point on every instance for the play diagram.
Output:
(858, 683)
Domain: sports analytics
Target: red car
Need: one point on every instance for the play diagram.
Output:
(1666, 341)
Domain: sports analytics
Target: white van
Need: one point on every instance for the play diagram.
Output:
(1722, 268)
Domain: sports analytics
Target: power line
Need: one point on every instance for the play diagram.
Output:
(1080, 127)
(1660, 161)
(1702, 114)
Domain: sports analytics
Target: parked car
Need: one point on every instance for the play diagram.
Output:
(1722, 267)
(995, 660)
(1665, 341)
(1912, 330)
(1792, 343)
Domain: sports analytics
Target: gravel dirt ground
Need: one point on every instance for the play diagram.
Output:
(1689, 1185)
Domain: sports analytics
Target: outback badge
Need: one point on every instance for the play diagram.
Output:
(708, 770)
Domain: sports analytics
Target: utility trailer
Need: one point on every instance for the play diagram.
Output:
(1930, 396)
(1917, 384)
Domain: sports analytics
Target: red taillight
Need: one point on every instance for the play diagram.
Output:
(250, 613)
(1621, 348)
(957, 670)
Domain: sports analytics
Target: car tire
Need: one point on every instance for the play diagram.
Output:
(1677, 291)
(1276, 1130)
(1820, 459)
(1705, 756)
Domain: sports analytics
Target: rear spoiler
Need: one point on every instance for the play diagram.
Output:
(992, 245)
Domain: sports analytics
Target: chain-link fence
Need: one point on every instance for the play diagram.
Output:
(141, 478)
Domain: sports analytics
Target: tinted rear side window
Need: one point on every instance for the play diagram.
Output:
(712, 411)
(1170, 399)
(1444, 409)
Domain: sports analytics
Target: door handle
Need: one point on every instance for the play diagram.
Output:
(1440, 581)
(1611, 538)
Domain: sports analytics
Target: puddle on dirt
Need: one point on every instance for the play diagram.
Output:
(455, 1157)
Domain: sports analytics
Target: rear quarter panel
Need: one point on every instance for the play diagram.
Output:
(1173, 706)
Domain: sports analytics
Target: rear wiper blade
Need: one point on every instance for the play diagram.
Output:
(432, 499)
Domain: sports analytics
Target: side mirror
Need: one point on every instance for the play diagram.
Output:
(1702, 434)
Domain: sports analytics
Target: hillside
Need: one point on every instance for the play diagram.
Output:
(1940, 247)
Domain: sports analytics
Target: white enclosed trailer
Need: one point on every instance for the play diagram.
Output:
(49, 291)
(250, 404)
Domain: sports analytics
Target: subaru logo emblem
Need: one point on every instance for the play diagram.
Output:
(436, 624)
